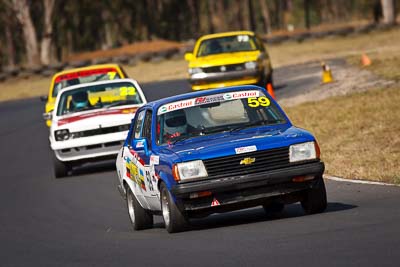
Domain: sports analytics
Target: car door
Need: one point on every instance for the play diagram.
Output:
(138, 161)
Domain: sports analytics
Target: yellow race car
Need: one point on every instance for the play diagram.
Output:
(76, 76)
(229, 59)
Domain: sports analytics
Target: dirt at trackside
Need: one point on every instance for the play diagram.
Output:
(347, 79)
(130, 49)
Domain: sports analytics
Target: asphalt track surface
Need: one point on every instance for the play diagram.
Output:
(81, 220)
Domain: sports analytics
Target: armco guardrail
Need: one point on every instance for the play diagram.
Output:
(174, 53)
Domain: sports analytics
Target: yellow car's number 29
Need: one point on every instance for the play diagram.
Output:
(258, 101)
(124, 91)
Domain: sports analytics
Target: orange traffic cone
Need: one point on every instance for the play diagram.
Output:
(270, 90)
(326, 73)
(365, 61)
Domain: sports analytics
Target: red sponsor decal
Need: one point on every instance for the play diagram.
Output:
(200, 100)
(95, 114)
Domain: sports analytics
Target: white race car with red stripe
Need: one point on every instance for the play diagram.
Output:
(91, 121)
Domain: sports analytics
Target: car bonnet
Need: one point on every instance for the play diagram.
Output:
(226, 144)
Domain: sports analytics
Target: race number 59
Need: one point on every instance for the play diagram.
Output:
(258, 101)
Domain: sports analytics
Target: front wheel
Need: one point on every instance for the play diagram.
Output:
(61, 168)
(265, 80)
(140, 218)
(174, 220)
(314, 200)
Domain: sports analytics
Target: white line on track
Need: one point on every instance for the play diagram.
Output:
(339, 179)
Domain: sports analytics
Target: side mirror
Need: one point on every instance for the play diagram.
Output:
(188, 56)
(141, 145)
(44, 98)
(48, 116)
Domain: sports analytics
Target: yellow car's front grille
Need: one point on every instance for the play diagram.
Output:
(224, 68)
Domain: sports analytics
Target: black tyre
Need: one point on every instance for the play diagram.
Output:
(314, 200)
(266, 79)
(273, 209)
(61, 168)
(174, 220)
(270, 80)
(140, 218)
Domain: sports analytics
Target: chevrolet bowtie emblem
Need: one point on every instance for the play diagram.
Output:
(247, 161)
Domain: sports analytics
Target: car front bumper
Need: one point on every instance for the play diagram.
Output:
(89, 147)
(248, 190)
(201, 81)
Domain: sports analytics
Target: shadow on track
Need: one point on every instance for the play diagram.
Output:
(256, 215)
(91, 168)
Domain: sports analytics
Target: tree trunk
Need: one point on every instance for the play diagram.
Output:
(244, 14)
(149, 19)
(194, 17)
(265, 16)
(307, 14)
(240, 15)
(10, 48)
(220, 18)
(287, 14)
(211, 14)
(252, 21)
(47, 37)
(388, 11)
(9, 51)
(22, 11)
(108, 38)
(216, 9)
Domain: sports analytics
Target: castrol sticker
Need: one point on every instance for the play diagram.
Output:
(207, 100)
(176, 105)
(241, 94)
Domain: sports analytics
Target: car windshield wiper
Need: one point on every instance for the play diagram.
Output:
(215, 130)
(121, 103)
(247, 125)
(183, 138)
(255, 123)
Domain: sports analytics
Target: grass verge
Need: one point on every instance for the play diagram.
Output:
(358, 134)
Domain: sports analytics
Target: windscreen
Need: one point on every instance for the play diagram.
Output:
(102, 96)
(229, 44)
(213, 114)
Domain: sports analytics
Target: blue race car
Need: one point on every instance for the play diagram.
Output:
(214, 151)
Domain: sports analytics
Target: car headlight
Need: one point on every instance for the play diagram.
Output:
(303, 151)
(189, 170)
(62, 135)
(252, 65)
(195, 70)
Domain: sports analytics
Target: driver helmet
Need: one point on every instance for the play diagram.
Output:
(175, 122)
(80, 99)
(215, 47)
